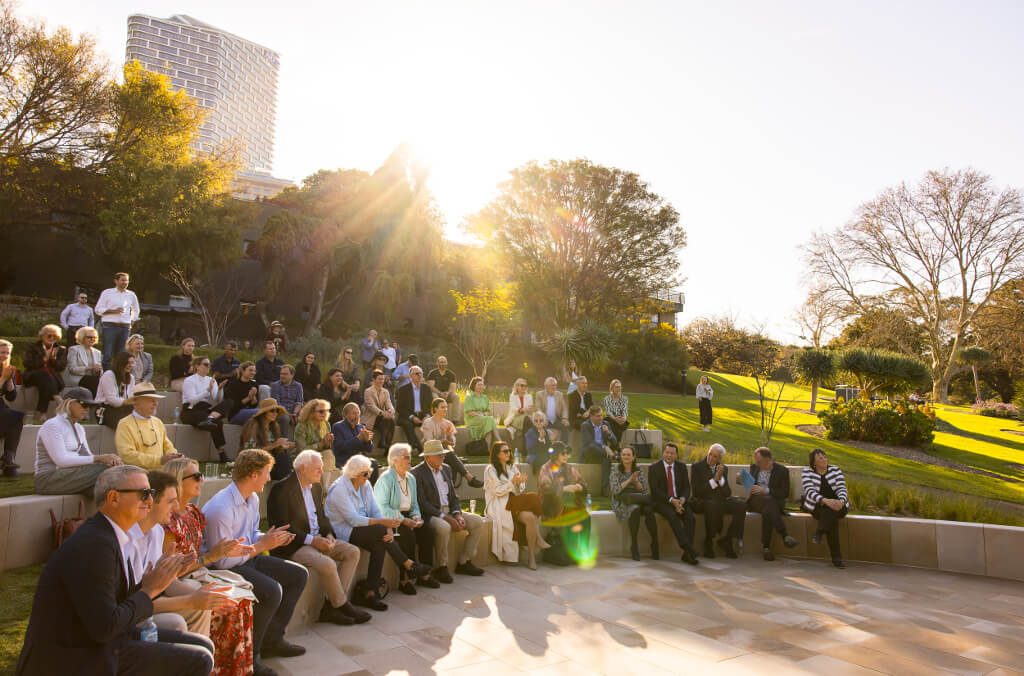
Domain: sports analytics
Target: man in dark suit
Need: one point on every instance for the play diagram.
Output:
(768, 497)
(712, 497)
(88, 603)
(598, 444)
(441, 510)
(580, 402)
(670, 494)
(298, 501)
(413, 406)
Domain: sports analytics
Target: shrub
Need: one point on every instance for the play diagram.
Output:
(894, 423)
(656, 354)
(1018, 395)
(996, 409)
(908, 501)
(881, 372)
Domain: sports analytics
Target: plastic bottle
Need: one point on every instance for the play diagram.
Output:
(177, 414)
(590, 503)
(147, 629)
(515, 458)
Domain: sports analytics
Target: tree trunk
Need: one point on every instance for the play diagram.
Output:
(316, 309)
(977, 387)
(814, 395)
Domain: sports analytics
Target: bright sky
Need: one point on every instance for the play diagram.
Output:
(761, 122)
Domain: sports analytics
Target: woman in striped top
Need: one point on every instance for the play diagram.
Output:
(826, 499)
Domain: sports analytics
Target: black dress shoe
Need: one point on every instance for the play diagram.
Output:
(690, 558)
(260, 669)
(468, 568)
(838, 563)
(655, 554)
(767, 554)
(358, 616)
(370, 600)
(442, 575)
(709, 549)
(428, 582)
(334, 615)
(418, 570)
(726, 544)
(634, 552)
(223, 457)
(790, 541)
(207, 426)
(407, 588)
(476, 483)
(282, 648)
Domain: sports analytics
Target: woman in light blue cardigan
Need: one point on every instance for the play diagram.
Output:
(356, 517)
(396, 495)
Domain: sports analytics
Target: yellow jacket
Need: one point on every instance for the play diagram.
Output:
(142, 442)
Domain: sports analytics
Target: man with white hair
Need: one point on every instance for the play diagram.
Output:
(551, 403)
(141, 438)
(413, 399)
(298, 502)
(712, 497)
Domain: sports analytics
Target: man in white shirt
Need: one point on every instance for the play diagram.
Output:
(76, 315)
(117, 308)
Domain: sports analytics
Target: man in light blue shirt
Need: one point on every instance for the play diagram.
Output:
(75, 316)
(234, 512)
(401, 372)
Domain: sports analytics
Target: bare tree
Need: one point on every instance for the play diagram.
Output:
(938, 251)
(823, 310)
(218, 304)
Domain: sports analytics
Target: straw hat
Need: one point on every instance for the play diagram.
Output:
(269, 404)
(433, 447)
(145, 389)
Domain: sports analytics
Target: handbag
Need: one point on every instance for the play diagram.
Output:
(476, 447)
(641, 447)
(64, 528)
(636, 498)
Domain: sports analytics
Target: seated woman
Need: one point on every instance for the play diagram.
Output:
(85, 362)
(307, 374)
(12, 421)
(115, 390)
(142, 367)
(563, 496)
(204, 406)
(437, 426)
(539, 439)
(477, 408)
(45, 361)
(64, 463)
(616, 409)
(336, 392)
(395, 492)
(357, 519)
(350, 374)
(230, 628)
(243, 393)
(631, 500)
(826, 499)
(515, 515)
(181, 364)
(313, 432)
(520, 408)
(262, 431)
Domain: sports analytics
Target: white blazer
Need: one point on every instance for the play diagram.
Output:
(513, 405)
(496, 492)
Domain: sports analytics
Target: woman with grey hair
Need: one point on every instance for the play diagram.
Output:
(143, 367)
(85, 362)
(64, 464)
(45, 361)
(356, 517)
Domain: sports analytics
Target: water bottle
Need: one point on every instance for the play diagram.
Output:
(147, 629)
(177, 414)
(590, 503)
(515, 459)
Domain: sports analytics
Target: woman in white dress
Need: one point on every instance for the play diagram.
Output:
(510, 509)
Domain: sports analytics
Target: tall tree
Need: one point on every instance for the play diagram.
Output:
(821, 312)
(815, 367)
(582, 240)
(484, 320)
(938, 251)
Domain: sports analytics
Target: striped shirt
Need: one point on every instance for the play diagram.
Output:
(811, 482)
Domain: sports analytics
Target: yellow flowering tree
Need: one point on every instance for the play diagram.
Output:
(483, 323)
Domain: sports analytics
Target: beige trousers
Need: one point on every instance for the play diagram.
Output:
(336, 569)
(443, 533)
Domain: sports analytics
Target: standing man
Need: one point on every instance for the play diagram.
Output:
(234, 513)
(371, 346)
(88, 601)
(670, 494)
(76, 315)
(768, 497)
(268, 369)
(117, 309)
(413, 407)
(712, 497)
(297, 503)
(288, 393)
(401, 372)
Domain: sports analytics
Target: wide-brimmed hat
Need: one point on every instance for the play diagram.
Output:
(270, 404)
(145, 389)
(276, 324)
(79, 394)
(433, 447)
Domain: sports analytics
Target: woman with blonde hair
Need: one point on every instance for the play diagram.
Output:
(313, 433)
(45, 361)
(85, 362)
(142, 368)
(616, 409)
(704, 395)
(181, 364)
(520, 407)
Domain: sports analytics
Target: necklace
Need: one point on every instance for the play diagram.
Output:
(403, 485)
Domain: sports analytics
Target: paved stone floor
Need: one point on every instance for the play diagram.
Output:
(725, 617)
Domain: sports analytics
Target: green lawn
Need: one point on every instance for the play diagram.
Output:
(17, 587)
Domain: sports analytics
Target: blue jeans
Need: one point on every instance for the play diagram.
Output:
(113, 337)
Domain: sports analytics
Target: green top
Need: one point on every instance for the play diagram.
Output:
(309, 435)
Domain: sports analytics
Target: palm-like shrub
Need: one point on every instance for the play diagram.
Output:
(813, 366)
(882, 372)
(591, 344)
(975, 357)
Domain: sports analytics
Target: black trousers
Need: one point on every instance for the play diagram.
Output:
(616, 428)
(409, 427)
(278, 584)
(828, 522)
(682, 525)
(11, 423)
(646, 514)
(715, 511)
(113, 414)
(371, 538)
(91, 383)
(417, 543)
(704, 405)
(46, 384)
(384, 431)
(175, 653)
(770, 510)
(199, 412)
(591, 455)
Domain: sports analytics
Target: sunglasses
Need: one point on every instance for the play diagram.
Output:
(365, 475)
(143, 493)
(321, 410)
(197, 476)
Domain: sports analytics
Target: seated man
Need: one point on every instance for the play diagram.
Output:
(225, 367)
(234, 513)
(598, 444)
(442, 513)
(768, 497)
(442, 381)
(64, 463)
(298, 504)
(712, 497)
(551, 403)
(351, 437)
(580, 401)
(670, 493)
(539, 439)
(141, 438)
(268, 369)
(414, 400)
(88, 590)
(401, 373)
(288, 393)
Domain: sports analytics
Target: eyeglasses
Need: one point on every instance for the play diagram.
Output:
(321, 410)
(197, 476)
(143, 493)
(365, 475)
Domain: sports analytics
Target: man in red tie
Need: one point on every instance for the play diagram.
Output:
(670, 494)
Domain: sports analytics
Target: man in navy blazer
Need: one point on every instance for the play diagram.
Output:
(413, 406)
(598, 444)
(671, 499)
(88, 603)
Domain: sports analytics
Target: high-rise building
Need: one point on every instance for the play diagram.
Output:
(234, 79)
